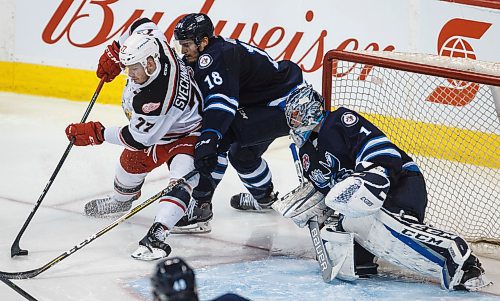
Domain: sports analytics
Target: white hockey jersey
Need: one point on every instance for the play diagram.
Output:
(165, 107)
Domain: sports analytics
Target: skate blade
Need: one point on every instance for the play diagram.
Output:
(144, 253)
(256, 211)
(199, 228)
(478, 283)
(106, 216)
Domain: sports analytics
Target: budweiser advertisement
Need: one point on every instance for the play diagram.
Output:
(73, 33)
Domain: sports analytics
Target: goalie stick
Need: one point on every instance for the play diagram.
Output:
(35, 272)
(15, 249)
(325, 264)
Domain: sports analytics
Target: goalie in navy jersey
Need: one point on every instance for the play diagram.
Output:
(378, 192)
(244, 92)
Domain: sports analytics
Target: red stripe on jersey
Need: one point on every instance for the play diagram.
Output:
(184, 133)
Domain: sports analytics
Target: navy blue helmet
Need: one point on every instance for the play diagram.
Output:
(194, 27)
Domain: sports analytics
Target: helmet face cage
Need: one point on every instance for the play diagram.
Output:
(172, 280)
(194, 27)
(137, 48)
(303, 111)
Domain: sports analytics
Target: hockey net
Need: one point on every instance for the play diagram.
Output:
(445, 113)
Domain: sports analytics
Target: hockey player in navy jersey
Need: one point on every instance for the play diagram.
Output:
(173, 279)
(379, 192)
(244, 93)
(161, 101)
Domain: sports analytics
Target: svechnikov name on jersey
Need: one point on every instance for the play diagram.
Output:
(183, 91)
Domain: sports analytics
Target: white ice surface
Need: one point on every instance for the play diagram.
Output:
(261, 256)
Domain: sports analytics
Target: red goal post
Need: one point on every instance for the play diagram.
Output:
(443, 111)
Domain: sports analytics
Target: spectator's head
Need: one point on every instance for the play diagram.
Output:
(193, 32)
(174, 280)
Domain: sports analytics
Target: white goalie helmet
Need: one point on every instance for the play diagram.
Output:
(137, 48)
(304, 110)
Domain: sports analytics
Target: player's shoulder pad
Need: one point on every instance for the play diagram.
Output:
(346, 117)
(149, 101)
(138, 23)
(214, 56)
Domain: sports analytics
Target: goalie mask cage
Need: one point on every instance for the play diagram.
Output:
(444, 112)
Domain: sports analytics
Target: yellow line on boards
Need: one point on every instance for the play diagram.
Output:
(441, 142)
(418, 138)
(58, 82)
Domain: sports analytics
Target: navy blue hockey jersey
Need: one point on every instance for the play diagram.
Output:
(345, 139)
(232, 74)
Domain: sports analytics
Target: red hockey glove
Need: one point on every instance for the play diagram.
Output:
(89, 133)
(109, 63)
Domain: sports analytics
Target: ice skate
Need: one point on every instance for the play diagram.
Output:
(245, 201)
(366, 270)
(473, 278)
(153, 246)
(108, 206)
(196, 220)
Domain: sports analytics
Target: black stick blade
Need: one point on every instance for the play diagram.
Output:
(15, 250)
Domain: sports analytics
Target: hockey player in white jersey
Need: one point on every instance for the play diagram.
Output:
(378, 191)
(161, 100)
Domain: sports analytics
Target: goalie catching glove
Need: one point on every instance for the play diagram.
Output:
(362, 193)
(302, 204)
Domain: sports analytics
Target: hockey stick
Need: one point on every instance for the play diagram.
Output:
(15, 249)
(18, 290)
(319, 245)
(35, 272)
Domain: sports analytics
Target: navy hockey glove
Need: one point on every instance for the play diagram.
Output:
(205, 153)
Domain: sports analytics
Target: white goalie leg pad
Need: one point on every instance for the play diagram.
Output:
(360, 194)
(412, 245)
(339, 247)
(302, 204)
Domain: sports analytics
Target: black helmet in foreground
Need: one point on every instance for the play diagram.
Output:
(174, 280)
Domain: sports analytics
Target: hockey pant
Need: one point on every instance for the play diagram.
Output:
(134, 166)
(251, 168)
(249, 136)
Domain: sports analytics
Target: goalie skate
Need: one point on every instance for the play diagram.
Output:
(153, 246)
(472, 276)
(196, 220)
(108, 206)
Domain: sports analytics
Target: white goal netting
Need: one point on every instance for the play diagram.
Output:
(442, 111)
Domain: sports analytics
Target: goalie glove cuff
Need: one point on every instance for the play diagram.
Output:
(361, 194)
(369, 166)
